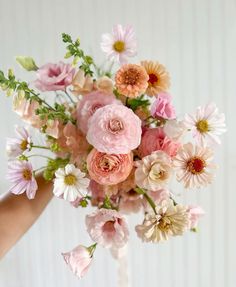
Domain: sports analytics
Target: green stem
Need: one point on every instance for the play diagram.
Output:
(92, 248)
(70, 98)
(150, 201)
(39, 155)
(39, 146)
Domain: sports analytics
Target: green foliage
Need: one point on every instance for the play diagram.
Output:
(135, 103)
(73, 49)
(27, 63)
(52, 166)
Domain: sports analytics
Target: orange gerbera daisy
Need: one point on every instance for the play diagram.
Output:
(131, 80)
(159, 79)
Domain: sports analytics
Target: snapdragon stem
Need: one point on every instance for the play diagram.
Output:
(39, 146)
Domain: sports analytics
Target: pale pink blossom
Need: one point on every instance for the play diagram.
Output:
(114, 129)
(157, 196)
(88, 106)
(120, 45)
(54, 77)
(20, 174)
(175, 129)
(54, 128)
(109, 169)
(18, 145)
(82, 84)
(195, 213)
(162, 107)
(78, 260)
(105, 85)
(108, 228)
(155, 139)
(130, 202)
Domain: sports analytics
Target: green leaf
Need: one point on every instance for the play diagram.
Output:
(27, 63)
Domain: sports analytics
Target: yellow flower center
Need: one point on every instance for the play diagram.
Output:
(24, 144)
(202, 126)
(164, 224)
(119, 46)
(70, 179)
(27, 174)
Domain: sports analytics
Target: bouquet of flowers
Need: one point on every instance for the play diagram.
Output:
(113, 141)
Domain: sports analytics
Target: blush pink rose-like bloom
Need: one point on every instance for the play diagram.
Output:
(78, 260)
(195, 212)
(155, 139)
(108, 228)
(54, 77)
(163, 108)
(109, 169)
(89, 104)
(114, 129)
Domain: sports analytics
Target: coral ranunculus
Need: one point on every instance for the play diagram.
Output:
(109, 169)
(114, 129)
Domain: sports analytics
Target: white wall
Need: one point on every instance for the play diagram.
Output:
(196, 40)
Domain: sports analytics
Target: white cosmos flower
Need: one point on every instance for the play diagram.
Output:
(206, 124)
(70, 183)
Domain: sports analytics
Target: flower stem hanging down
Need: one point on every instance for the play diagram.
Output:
(147, 197)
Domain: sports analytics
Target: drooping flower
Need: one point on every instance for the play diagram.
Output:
(20, 174)
(88, 106)
(158, 78)
(130, 202)
(155, 139)
(169, 220)
(54, 77)
(207, 124)
(82, 84)
(109, 169)
(194, 165)
(114, 129)
(70, 183)
(131, 80)
(21, 143)
(79, 259)
(162, 107)
(108, 228)
(153, 171)
(175, 129)
(195, 212)
(120, 45)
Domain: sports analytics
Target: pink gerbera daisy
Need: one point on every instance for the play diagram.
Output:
(119, 45)
(20, 174)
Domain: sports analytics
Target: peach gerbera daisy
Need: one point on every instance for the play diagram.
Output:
(131, 80)
(194, 166)
(159, 79)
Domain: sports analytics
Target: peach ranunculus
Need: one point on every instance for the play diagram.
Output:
(108, 228)
(163, 108)
(109, 169)
(114, 129)
(88, 106)
(155, 139)
(82, 84)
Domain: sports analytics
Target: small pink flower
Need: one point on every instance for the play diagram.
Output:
(16, 146)
(54, 77)
(88, 106)
(162, 107)
(79, 260)
(195, 212)
(82, 84)
(155, 139)
(109, 169)
(114, 129)
(130, 202)
(107, 228)
(20, 174)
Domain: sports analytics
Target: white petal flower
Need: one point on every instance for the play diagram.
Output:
(70, 183)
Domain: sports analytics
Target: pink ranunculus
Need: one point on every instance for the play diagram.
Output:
(108, 228)
(109, 169)
(162, 107)
(155, 139)
(54, 77)
(195, 212)
(89, 104)
(79, 260)
(114, 129)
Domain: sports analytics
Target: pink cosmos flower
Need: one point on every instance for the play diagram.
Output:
(88, 106)
(16, 146)
(195, 212)
(109, 169)
(20, 174)
(119, 45)
(79, 260)
(107, 228)
(162, 107)
(114, 129)
(155, 139)
(54, 77)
